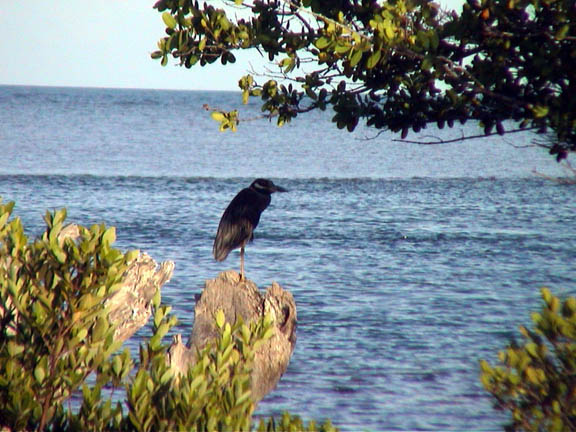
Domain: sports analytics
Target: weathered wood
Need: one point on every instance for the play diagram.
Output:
(130, 307)
(241, 298)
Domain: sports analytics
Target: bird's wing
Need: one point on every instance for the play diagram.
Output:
(231, 236)
(236, 226)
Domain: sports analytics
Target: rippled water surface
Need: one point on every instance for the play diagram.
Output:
(408, 264)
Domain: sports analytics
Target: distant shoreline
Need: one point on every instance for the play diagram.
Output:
(39, 86)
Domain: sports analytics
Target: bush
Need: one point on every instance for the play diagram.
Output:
(55, 331)
(57, 343)
(536, 379)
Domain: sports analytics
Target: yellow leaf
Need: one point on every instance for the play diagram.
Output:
(533, 375)
(540, 111)
(202, 44)
(218, 116)
(389, 29)
(169, 20)
(220, 318)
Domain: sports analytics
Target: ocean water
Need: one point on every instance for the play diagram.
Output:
(408, 263)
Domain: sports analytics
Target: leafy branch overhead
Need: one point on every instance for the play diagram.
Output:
(397, 65)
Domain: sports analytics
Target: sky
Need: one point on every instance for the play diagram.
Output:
(103, 43)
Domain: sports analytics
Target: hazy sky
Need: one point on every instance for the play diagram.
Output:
(101, 43)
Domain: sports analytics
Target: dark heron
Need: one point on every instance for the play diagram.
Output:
(241, 218)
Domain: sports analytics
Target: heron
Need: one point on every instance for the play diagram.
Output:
(241, 217)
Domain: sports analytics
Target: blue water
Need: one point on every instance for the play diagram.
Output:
(408, 263)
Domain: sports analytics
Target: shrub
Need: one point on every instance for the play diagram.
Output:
(56, 342)
(55, 331)
(536, 379)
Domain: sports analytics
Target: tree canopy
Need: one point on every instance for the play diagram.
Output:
(399, 65)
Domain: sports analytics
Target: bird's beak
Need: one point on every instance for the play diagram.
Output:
(280, 189)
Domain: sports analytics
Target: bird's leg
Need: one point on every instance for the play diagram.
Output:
(242, 263)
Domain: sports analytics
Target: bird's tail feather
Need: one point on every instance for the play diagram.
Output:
(220, 252)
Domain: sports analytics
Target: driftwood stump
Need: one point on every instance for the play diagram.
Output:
(131, 307)
(238, 298)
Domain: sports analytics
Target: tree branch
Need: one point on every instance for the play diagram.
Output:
(449, 141)
(571, 179)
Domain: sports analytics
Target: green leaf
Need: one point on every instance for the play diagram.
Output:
(434, 40)
(562, 32)
(39, 373)
(373, 59)
(426, 63)
(59, 216)
(132, 255)
(532, 349)
(245, 332)
(355, 57)
(169, 20)
(268, 319)
(569, 307)
(14, 349)
(155, 342)
(534, 375)
(82, 333)
(100, 329)
(162, 329)
(59, 254)
(4, 219)
(117, 365)
(342, 47)
(310, 93)
(156, 299)
(166, 376)
(269, 333)
(389, 29)
(226, 334)
(322, 42)
(159, 316)
(546, 295)
(109, 236)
